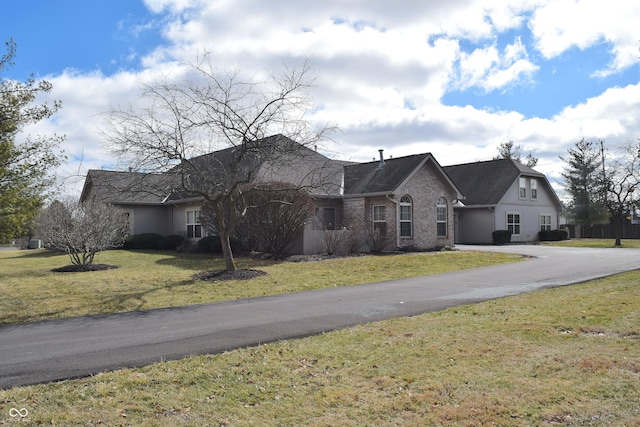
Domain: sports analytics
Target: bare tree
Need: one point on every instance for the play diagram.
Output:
(176, 122)
(622, 183)
(82, 230)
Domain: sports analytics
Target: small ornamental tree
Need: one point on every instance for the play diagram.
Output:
(275, 212)
(82, 229)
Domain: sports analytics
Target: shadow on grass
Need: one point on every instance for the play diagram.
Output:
(32, 253)
(134, 301)
(105, 304)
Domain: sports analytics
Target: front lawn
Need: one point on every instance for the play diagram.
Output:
(567, 356)
(597, 243)
(31, 291)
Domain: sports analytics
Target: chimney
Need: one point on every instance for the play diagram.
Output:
(381, 165)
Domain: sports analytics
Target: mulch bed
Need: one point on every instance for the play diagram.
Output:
(83, 268)
(222, 275)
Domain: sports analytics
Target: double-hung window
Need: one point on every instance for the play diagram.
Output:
(441, 217)
(380, 219)
(406, 217)
(545, 222)
(522, 191)
(513, 223)
(534, 189)
(194, 228)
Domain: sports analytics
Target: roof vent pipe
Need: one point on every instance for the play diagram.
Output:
(381, 165)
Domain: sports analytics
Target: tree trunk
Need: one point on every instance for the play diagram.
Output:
(618, 231)
(227, 253)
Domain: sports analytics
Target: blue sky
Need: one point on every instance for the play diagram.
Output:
(84, 35)
(454, 78)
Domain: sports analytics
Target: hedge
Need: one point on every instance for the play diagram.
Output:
(142, 241)
(553, 235)
(501, 237)
(171, 242)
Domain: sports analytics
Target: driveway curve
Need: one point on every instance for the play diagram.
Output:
(77, 347)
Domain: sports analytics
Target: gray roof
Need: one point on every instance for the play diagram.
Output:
(221, 168)
(368, 178)
(485, 183)
(126, 187)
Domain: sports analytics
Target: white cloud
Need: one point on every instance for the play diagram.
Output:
(561, 25)
(383, 69)
(489, 69)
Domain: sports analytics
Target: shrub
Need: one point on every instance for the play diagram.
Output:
(171, 242)
(500, 237)
(209, 244)
(553, 235)
(142, 241)
(82, 229)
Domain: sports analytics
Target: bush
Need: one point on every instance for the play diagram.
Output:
(171, 242)
(553, 235)
(501, 237)
(210, 245)
(142, 241)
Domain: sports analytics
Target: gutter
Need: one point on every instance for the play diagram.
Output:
(378, 194)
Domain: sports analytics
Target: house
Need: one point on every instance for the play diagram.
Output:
(407, 201)
(502, 195)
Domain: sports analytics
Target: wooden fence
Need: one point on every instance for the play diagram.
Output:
(603, 231)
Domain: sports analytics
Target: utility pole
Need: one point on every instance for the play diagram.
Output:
(605, 186)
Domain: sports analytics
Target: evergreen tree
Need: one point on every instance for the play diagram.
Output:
(507, 150)
(584, 183)
(24, 166)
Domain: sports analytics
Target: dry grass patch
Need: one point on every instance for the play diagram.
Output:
(559, 357)
(30, 291)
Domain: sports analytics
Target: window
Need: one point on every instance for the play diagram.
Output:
(523, 188)
(380, 219)
(406, 217)
(534, 189)
(329, 218)
(545, 222)
(513, 223)
(194, 229)
(441, 217)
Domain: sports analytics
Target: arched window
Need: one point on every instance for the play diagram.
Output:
(406, 217)
(441, 217)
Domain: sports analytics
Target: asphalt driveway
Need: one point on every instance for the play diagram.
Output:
(60, 349)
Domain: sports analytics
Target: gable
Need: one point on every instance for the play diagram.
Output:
(484, 183)
(369, 178)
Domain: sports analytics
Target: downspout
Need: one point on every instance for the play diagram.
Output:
(397, 215)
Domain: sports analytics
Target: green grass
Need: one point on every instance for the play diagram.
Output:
(566, 356)
(597, 243)
(30, 291)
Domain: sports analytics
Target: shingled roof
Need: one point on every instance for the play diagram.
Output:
(485, 183)
(370, 178)
(126, 187)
